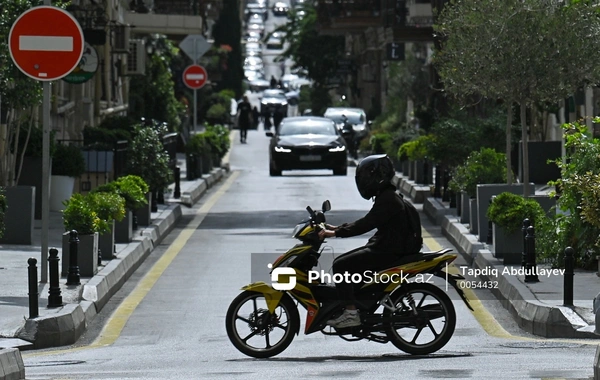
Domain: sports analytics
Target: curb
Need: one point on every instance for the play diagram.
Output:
(531, 315)
(71, 321)
(11, 364)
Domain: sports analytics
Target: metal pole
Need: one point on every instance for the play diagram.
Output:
(45, 175)
(54, 293)
(195, 110)
(45, 180)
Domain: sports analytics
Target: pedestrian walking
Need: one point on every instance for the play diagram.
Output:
(273, 81)
(244, 117)
(277, 117)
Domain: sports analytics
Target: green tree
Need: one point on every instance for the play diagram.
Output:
(315, 54)
(483, 53)
(152, 96)
(228, 31)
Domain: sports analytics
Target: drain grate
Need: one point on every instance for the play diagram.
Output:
(536, 345)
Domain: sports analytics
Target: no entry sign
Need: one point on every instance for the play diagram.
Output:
(194, 76)
(46, 43)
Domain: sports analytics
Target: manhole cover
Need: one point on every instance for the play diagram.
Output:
(536, 345)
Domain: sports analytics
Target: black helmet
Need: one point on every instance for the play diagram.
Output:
(373, 174)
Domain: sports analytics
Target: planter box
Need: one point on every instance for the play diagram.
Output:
(411, 170)
(31, 175)
(546, 202)
(405, 166)
(473, 215)
(124, 228)
(144, 214)
(458, 204)
(465, 207)
(540, 171)
(484, 194)
(61, 189)
(423, 173)
(87, 255)
(206, 164)
(508, 247)
(106, 243)
(20, 216)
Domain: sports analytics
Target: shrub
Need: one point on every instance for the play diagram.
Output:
(483, 166)
(68, 161)
(108, 206)
(508, 210)
(217, 136)
(131, 188)
(79, 215)
(197, 145)
(147, 158)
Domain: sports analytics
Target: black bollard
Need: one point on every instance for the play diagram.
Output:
(191, 167)
(177, 192)
(438, 182)
(569, 274)
(54, 294)
(530, 266)
(490, 237)
(425, 173)
(526, 224)
(33, 289)
(73, 275)
(154, 202)
(452, 199)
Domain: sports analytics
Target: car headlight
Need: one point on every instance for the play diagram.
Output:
(280, 149)
(358, 128)
(340, 148)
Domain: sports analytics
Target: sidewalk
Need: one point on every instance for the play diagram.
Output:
(537, 307)
(64, 325)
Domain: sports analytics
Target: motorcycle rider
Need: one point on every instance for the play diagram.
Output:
(386, 246)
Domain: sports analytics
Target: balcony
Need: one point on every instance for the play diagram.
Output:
(338, 17)
(172, 17)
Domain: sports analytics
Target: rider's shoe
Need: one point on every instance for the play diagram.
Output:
(349, 318)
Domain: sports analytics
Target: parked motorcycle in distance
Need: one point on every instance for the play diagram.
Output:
(413, 313)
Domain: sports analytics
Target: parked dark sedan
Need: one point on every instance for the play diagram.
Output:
(307, 142)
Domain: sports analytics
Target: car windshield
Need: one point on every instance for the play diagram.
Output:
(353, 118)
(305, 128)
(274, 94)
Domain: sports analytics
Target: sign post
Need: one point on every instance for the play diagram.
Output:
(46, 43)
(195, 77)
(194, 45)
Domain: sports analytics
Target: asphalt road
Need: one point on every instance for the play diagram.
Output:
(168, 320)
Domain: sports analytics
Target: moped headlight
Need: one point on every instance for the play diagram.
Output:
(280, 149)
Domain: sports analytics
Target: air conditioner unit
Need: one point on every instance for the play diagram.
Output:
(121, 39)
(136, 59)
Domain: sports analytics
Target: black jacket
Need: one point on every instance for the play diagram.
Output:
(388, 215)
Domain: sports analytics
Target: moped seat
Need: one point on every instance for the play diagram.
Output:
(422, 256)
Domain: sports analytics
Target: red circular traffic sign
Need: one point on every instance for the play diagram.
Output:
(46, 43)
(195, 77)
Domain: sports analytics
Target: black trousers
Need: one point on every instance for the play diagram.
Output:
(243, 132)
(359, 260)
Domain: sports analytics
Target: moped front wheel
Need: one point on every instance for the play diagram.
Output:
(255, 331)
(426, 318)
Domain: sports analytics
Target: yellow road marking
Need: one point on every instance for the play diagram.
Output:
(113, 328)
(486, 320)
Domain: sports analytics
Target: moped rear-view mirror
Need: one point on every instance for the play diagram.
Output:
(326, 206)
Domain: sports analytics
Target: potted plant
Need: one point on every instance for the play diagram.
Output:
(135, 194)
(195, 150)
(68, 164)
(147, 158)
(110, 207)
(79, 215)
(507, 212)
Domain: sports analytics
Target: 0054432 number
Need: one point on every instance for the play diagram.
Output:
(478, 284)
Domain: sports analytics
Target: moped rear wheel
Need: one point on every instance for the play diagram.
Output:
(427, 330)
(256, 332)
